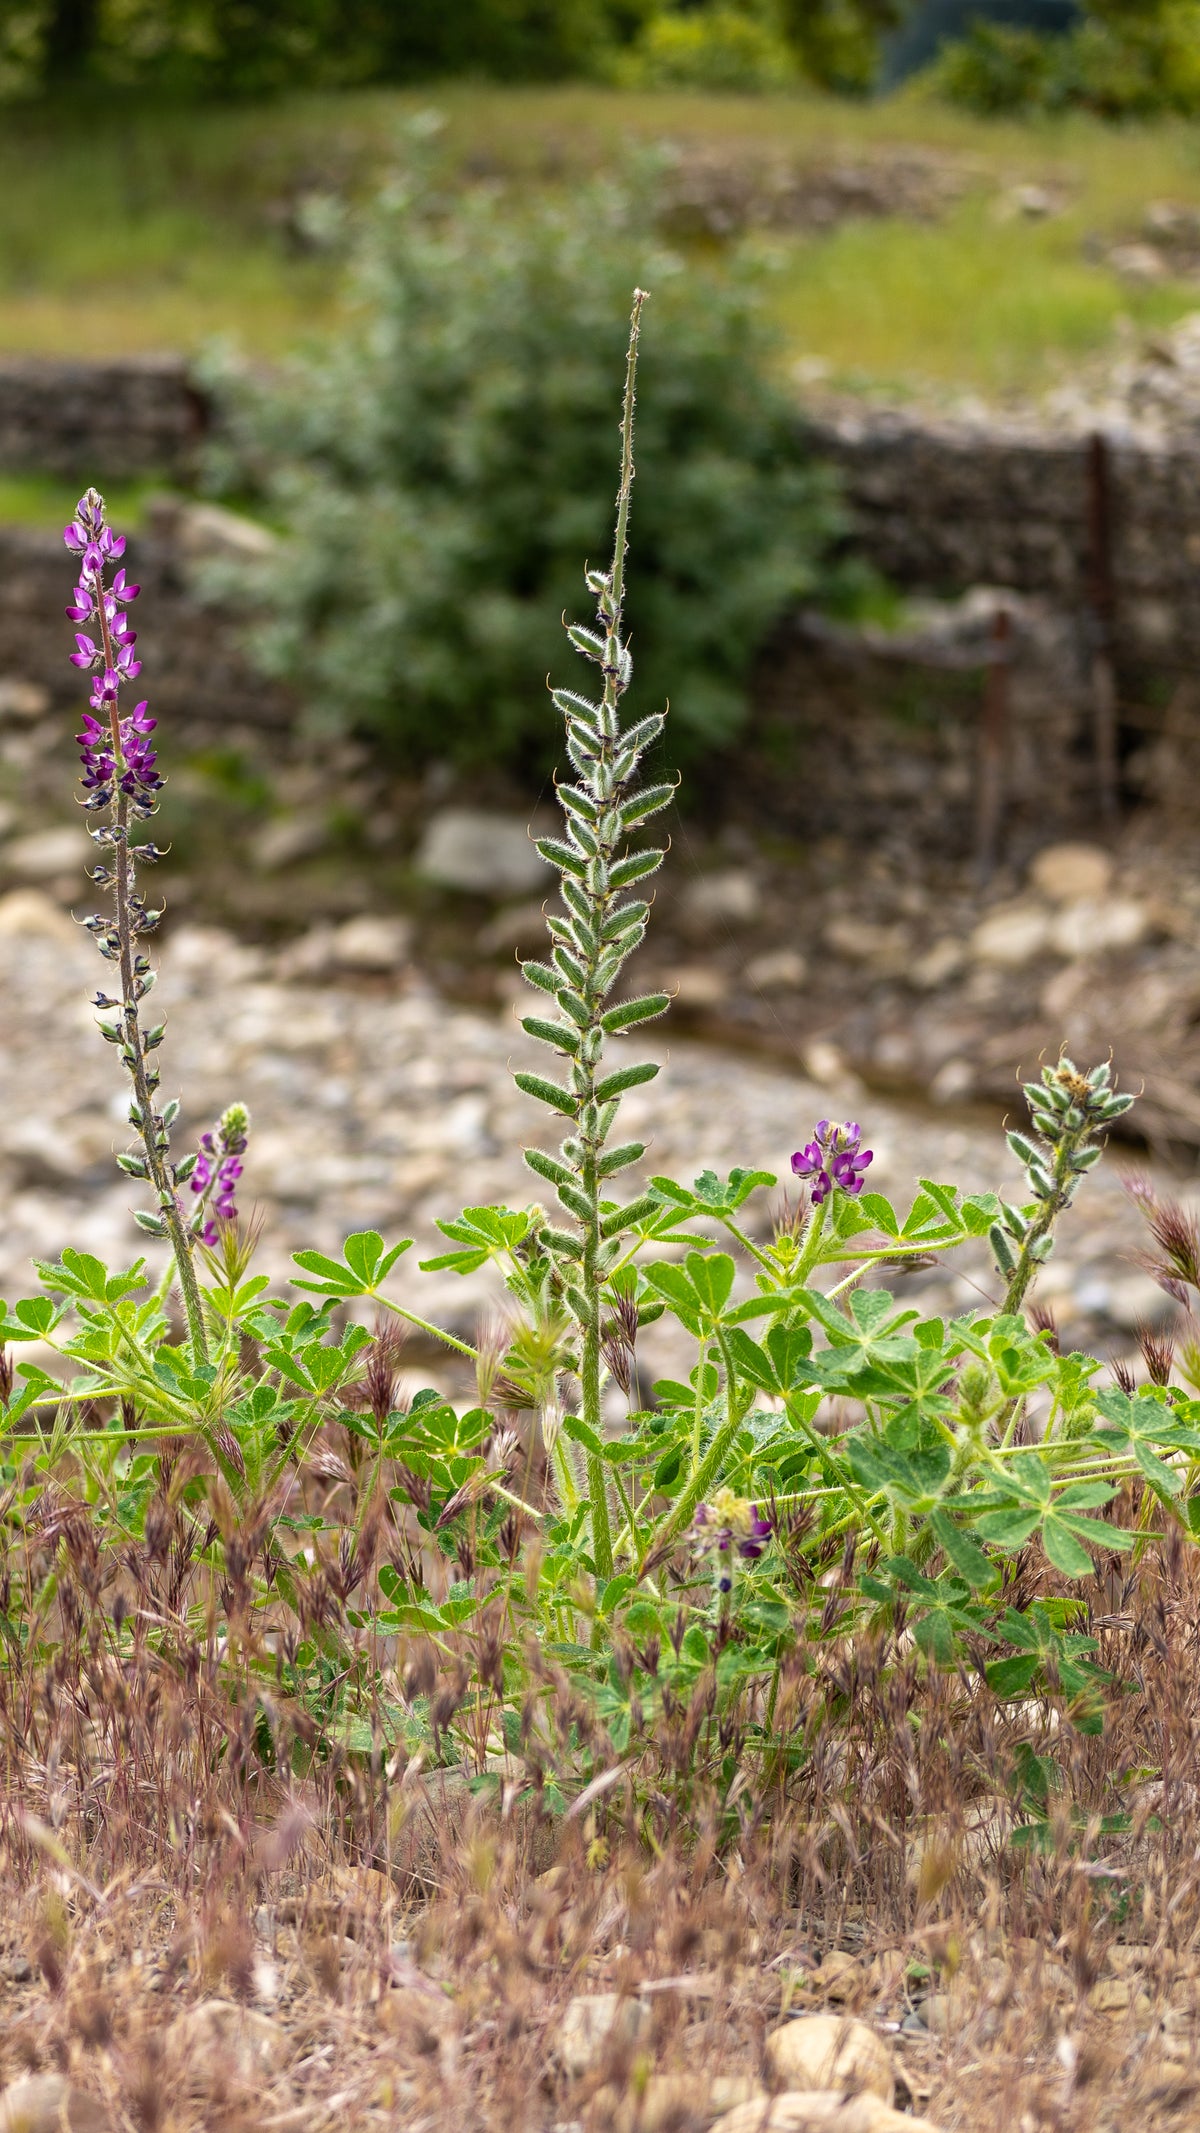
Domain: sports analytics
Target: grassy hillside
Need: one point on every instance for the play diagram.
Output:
(160, 228)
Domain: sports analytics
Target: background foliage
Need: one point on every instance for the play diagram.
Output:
(1127, 59)
(253, 46)
(440, 466)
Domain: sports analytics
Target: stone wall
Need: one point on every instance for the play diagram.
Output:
(942, 505)
(98, 421)
(193, 652)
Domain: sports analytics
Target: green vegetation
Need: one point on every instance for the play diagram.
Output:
(223, 220)
(252, 47)
(1128, 59)
(441, 463)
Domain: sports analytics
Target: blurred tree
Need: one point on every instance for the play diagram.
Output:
(233, 47)
(69, 41)
(1122, 59)
(838, 42)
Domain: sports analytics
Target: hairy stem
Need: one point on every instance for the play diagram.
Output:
(591, 1053)
(150, 1124)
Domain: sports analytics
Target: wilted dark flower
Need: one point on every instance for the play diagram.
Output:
(834, 1157)
(1157, 1344)
(731, 1525)
(1176, 1264)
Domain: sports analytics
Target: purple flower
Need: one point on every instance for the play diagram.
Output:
(761, 1529)
(728, 1524)
(834, 1157)
(218, 1168)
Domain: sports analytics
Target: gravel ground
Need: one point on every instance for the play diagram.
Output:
(379, 1104)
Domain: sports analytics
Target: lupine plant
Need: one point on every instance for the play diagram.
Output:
(561, 1560)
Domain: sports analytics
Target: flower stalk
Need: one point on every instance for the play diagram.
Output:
(592, 938)
(119, 777)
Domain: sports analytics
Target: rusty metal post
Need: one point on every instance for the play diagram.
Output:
(1102, 609)
(993, 745)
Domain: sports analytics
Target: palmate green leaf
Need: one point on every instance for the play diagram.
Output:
(914, 1478)
(1012, 1677)
(777, 1365)
(1145, 1426)
(365, 1264)
(709, 1196)
(964, 1553)
(82, 1274)
(37, 1386)
(483, 1233)
(698, 1291)
(33, 1318)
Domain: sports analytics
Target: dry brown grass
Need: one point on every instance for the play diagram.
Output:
(402, 1949)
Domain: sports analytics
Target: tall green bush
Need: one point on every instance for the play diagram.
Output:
(440, 465)
(1127, 59)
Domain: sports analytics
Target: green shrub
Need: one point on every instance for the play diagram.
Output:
(995, 70)
(1129, 59)
(440, 466)
(713, 49)
(837, 42)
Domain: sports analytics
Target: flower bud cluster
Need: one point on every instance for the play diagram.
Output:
(1068, 1110)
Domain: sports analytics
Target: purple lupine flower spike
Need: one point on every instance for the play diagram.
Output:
(217, 1169)
(834, 1158)
(89, 537)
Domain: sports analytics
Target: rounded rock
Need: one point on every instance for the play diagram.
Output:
(823, 2051)
(821, 2111)
(49, 2103)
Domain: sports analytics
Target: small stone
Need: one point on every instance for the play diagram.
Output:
(825, 2051)
(729, 898)
(17, 1970)
(44, 854)
(1125, 1299)
(481, 854)
(839, 1976)
(23, 701)
(217, 2042)
(592, 2024)
(697, 985)
(1064, 872)
(1119, 1996)
(888, 949)
(1094, 926)
(372, 944)
(1011, 936)
(779, 970)
(289, 838)
(1138, 262)
(27, 914)
(953, 1082)
(941, 2013)
(1034, 202)
(670, 2101)
(49, 2103)
(517, 927)
(417, 2013)
(938, 965)
(821, 2111)
(826, 1064)
(207, 531)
